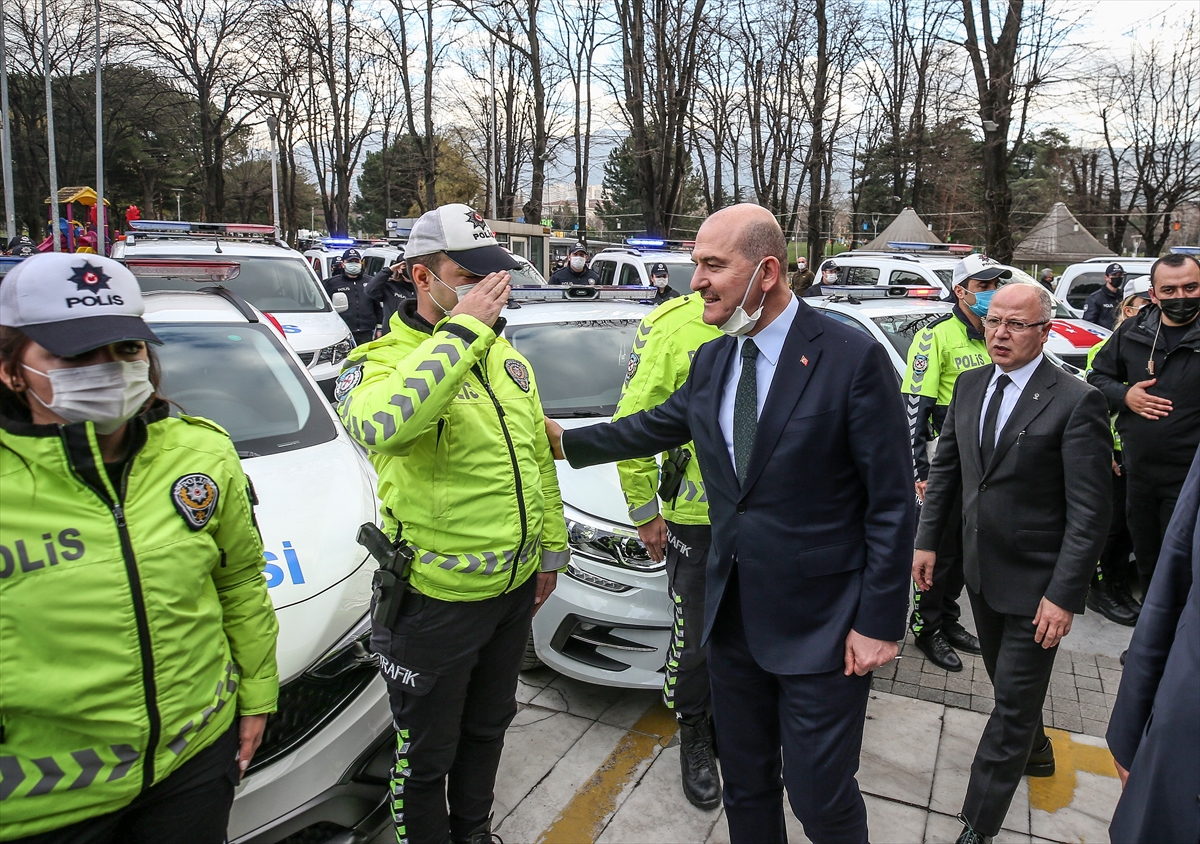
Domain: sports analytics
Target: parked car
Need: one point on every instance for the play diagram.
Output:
(268, 275)
(326, 755)
(1079, 281)
(630, 265)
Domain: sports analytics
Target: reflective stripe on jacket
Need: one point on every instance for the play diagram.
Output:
(453, 422)
(135, 622)
(659, 363)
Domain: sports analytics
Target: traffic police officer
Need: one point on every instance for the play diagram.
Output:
(577, 270)
(1101, 305)
(364, 314)
(451, 417)
(943, 350)
(659, 363)
(660, 278)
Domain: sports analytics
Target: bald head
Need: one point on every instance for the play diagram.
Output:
(758, 233)
(1025, 296)
(1027, 307)
(741, 259)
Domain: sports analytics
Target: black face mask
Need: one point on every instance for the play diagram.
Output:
(1180, 310)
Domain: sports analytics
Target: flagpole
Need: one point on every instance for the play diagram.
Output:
(10, 205)
(101, 216)
(51, 154)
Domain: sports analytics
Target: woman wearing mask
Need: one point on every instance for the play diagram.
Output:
(139, 641)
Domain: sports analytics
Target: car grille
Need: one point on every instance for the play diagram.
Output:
(306, 704)
(572, 640)
(306, 358)
(1077, 361)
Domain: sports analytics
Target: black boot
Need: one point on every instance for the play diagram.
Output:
(1041, 761)
(697, 763)
(481, 834)
(939, 652)
(960, 638)
(1119, 589)
(1101, 599)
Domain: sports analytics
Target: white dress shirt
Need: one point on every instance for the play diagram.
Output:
(770, 345)
(1020, 377)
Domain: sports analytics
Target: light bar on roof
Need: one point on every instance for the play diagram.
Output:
(184, 227)
(922, 246)
(866, 291)
(182, 268)
(159, 226)
(561, 292)
(1194, 251)
(925, 292)
(646, 242)
(339, 242)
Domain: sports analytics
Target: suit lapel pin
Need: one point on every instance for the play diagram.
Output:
(804, 359)
(1035, 396)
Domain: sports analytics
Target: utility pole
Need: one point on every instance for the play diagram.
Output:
(10, 204)
(272, 127)
(101, 215)
(50, 150)
(495, 140)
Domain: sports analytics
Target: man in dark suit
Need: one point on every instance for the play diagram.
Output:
(791, 406)
(1154, 731)
(1029, 447)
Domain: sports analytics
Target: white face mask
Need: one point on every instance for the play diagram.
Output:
(459, 292)
(106, 394)
(578, 262)
(739, 321)
(352, 268)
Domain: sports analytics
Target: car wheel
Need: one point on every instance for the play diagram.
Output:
(531, 660)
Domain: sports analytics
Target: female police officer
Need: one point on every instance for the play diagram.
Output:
(135, 620)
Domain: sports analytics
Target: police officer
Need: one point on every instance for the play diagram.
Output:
(943, 350)
(390, 287)
(577, 270)
(830, 274)
(659, 363)
(660, 278)
(1101, 305)
(451, 417)
(139, 640)
(364, 314)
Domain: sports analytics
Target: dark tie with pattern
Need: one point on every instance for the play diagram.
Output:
(745, 410)
(988, 446)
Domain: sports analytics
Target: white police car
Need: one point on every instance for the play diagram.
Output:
(269, 275)
(630, 264)
(325, 758)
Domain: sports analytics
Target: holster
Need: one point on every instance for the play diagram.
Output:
(390, 582)
(671, 476)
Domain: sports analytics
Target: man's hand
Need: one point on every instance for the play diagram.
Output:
(486, 299)
(250, 733)
(1122, 773)
(864, 655)
(1116, 468)
(922, 572)
(921, 487)
(1144, 404)
(654, 536)
(546, 581)
(554, 433)
(1052, 622)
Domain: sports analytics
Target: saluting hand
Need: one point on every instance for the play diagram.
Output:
(486, 299)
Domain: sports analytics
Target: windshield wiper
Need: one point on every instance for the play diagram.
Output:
(576, 414)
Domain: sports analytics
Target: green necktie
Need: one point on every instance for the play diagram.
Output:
(745, 410)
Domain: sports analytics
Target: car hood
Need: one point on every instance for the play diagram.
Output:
(1073, 336)
(595, 490)
(311, 331)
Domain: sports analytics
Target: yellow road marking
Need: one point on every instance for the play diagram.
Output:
(1057, 792)
(582, 820)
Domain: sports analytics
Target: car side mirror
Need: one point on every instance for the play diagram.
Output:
(340, 303)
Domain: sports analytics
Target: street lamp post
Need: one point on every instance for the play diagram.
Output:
(272, 129)
(10, 205)
(101, 217)
(178, 205)
(51, 152)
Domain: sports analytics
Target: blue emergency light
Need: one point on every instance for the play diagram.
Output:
(339, 242)
(1194, 251)
(646, 242)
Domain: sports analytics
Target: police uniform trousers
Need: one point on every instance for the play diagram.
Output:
(799, 730)
(1150, 499)
(451, 671)
(686, 688)
(1019, 669)
(938, 606)
(1114, 566)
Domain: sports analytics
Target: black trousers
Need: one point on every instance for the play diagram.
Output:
(361, 337)
(686, 688)
(938, 605)
(1149, 503)
(1114, 565)
(191, 806)
(804, 730)
(1020, 672)
(451, 671)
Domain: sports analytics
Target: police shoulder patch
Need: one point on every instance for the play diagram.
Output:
(518, 372)
(634, 360)
(347, 381)
(920, 363)
(195, 498)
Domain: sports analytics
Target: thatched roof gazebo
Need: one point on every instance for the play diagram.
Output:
(1059, 238)
(906, 228)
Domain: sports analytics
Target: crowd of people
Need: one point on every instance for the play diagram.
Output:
(817, 508)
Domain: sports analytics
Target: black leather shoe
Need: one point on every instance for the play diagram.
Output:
(1101, 599)
(697, 763)
(481, 834)
(960, 638)
(1041, 761)
(970, 836)
(939, 651)
(1123, 655)
(1120, 592)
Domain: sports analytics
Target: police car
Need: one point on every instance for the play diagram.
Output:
(1081, 280)
(268, 274)
(630, 264)
(326, 754)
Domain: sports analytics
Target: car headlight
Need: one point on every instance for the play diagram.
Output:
(353, 650)
(337, 352)
(610, 544)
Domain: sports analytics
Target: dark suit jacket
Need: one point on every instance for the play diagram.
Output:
(1154, 731)
(1035, 520)
(822, 527)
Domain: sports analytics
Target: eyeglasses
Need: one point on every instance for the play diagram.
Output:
(1015, 326)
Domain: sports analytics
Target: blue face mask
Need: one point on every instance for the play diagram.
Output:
(982, 300)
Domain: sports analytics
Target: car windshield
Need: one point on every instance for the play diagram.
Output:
(268, 407)
(946, 277)
(579, 366)
(900, 328)
(278, 285)
(526, 276)
(679, 277)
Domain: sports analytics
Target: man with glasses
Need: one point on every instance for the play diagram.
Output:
(949, 346)
(1029, 449)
